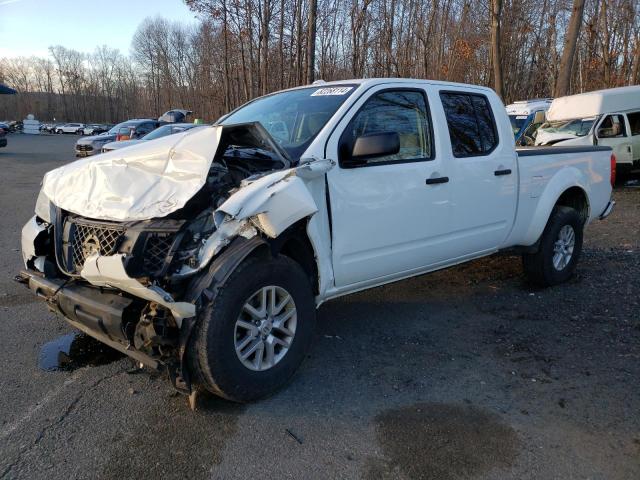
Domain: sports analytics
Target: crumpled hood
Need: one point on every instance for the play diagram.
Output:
(149, 180)
(543, 137)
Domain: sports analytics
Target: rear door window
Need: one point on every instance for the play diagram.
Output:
(472, 128)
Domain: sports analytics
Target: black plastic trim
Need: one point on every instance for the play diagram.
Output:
(435, 181)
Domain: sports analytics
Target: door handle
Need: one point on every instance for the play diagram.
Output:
(507, 171)
(434, 181)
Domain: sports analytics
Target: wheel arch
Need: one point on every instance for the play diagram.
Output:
(566, 188)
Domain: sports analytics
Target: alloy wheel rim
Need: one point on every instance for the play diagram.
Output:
(265, 328)
(563, 247)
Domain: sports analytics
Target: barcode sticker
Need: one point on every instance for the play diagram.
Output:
(321, 92)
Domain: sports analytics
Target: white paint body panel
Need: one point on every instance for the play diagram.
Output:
(594, 103)
(542, 179)
(526, 107)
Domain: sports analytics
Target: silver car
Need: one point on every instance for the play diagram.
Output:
(159, 132)
(93, 144)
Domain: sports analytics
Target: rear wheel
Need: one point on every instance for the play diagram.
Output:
(559, 250)
(254, 335)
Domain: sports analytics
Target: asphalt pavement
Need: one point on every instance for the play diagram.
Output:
(466, 373)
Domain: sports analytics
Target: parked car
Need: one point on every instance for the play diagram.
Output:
(4, 127)
(93, 144)
(159, 132)
(3, 138)
(604, 117)
(177, 115)
(15, 125)
(70, 128)
(50, 127)
(95, 129)
(207, 253)
(526, 117)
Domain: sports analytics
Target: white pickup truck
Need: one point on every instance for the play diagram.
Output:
(206, 253)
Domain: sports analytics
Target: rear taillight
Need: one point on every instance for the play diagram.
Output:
(613, 170)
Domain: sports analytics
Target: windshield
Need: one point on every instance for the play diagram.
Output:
(158, 132)
(293, 118)
(578, 127)
(517, 122)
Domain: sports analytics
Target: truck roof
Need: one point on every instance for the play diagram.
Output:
(591, 104)
(371, 82)
(525, 107)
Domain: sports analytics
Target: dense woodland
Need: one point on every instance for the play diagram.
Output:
(239, 49)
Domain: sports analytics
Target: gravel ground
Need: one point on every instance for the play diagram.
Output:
(465, 373)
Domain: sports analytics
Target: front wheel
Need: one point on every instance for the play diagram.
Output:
(249, 341)
(559, 250)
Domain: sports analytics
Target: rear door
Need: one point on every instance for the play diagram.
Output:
(390, 215)
(634, 128)
(483, 166)
(613, 132)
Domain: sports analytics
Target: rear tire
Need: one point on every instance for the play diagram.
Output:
(235, 316)
(559, 250)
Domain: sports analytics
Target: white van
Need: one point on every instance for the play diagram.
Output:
(526, 116)
(604, 117)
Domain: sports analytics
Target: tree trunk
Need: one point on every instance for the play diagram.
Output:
(311, 41)
(498, 83)
(571, 39)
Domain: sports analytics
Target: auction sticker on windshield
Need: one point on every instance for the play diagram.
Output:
(331, 91)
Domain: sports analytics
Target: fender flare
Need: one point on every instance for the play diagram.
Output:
(561, 182)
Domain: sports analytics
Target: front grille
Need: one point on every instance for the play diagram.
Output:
(89, 238)
(156, 251)
(84, 148)
(148, 249)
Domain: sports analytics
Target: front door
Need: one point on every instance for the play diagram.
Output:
(613, 132)
(390, 214)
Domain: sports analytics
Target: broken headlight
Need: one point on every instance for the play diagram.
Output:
(43, 207)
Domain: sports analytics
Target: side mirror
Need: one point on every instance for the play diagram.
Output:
(372, 146)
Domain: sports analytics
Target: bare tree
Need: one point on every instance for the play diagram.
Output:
(568, 52)
(242, 48)
(496, 58)
(311, 40)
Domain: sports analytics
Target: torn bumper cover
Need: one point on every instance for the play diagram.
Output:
(109, 272)
(95, 312)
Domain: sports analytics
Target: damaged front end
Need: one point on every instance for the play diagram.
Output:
(124, 246)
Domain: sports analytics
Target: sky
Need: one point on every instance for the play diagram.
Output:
(30, 27)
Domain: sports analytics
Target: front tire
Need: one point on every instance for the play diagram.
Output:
(249, 341)
(560, 247)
